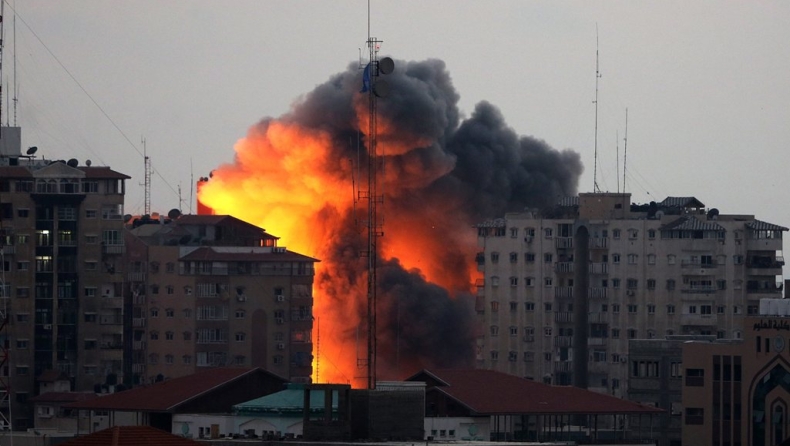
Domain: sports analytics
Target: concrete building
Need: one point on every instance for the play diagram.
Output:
(564, 290)
(211, 291)
(62, 249)
(737, 393)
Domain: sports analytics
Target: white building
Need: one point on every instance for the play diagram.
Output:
(564, 290)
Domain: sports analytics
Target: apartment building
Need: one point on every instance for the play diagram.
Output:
(62, 251)
(210, 291)
(564, 290)
(737, 393)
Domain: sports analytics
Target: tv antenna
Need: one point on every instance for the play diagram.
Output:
(147, 173)
(625, 149)
(597, 76)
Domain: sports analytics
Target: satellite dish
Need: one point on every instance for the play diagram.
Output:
(31, 150)
(127, 217)
(386, 65)
(88, 163)
(174, 214)
(73, 162)
(381, 88)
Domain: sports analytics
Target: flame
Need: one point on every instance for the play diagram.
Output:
(288, 180)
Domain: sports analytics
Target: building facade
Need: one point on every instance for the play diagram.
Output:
(212, 291)
(738, 393)
(62, 264)
(565, 290)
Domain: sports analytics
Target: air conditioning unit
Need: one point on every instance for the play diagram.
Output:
(241, 298)
(623, 359)
(280, 298)
(279, 321)
(47, 326)
(280, 346)
(630, 292)
(528, 239)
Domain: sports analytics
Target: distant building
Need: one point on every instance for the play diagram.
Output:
(61, 251)
(564, 290)
(212, 291)
(738, 393)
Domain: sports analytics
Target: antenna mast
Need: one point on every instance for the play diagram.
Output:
(147, 168)
(597, 76)
(625, 149)
(617, 166)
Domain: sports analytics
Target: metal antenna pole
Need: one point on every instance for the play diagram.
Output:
(597, 76)
(625, 149)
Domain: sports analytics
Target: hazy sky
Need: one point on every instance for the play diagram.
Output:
(706, 83)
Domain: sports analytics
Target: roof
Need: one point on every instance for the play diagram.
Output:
(217, 254)
(758, 225)
(495, 223)
(131, 436)
(488, 392)
(166, 395)
(198, 219)
(102, 172)
(681, 202)
(568, 201)
(689, 223)
(288, 401)
(63, 397)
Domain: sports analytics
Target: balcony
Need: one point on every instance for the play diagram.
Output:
(138, 322)
(563, 242)
(563, 341)
(699, 289)
(113, 249)
(138, 368)
(597, 293)
(596, 341)
(598, 268)
(764, 287)
(563, 317)
(111, 319)
(563, 292)
(563, 267)
(8, 249)
(138, 276)
(764, 244)
(562, 366)
(599, 243)
(138, 299)
(111, 345)
(598, 318)
(138, 345)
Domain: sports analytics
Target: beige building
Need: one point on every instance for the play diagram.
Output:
(212, 291)
(62, 252)
(565, 290)
(738, 393)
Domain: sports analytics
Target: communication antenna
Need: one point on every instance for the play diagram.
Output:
(597, 76)
(617, 153)
(375, 88)
(147, 167)
(191, 186)
(16, 84)
(625, 149)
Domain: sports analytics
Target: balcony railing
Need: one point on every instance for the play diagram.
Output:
(8, 249)
(562, 366)
(597, 293)
(138, 276)
(563, 267)
(598, 243)
(598, 268)
(563, 242)
(563, 292)
(112, 249)
(565, 317)
(563, 341)
(138, 322)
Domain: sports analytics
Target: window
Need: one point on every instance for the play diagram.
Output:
(721, 284)
(494, 281)
(547, 307)
(670, 284)
(513, 257)
(22, 344)
(241, 337)
(186, 359)
(154, 335)
(547, 281)
(513, 307)
(632, 333)
(187, 335)
(530, 232)
(615, 283)
(529, 257)
(651, 234)
(615, 333)
(513, 232)
(494, 330)
(671, 259)
(22, 291)
(616, 234)
(170, 313)
(169, 359)
(187, 313)
(529, 281)
(632, 284)
(651, 259)
(615, 308)
(529, 334)
(154, 289)
(514, 281)
(547, 357)
(547, 257)
(529, 306)
(494, 306)
(651, 309)
(547, 331)
(154, 312)
(548, 233)
(737, 259)
(22, 317)
(695, 415)
(169, 335)
(240, 314)
(90, 213)
(651, 284)
(633, 233)
(153, 358)
(494, 257)
(706, 309)
(632, 258)
(90, 344)
(736, 309)
(89, 317)
(616, 259)
(91, 265)
(170, 289)
(720, 309)
(170, 267)
(632, 309)
(695, 377)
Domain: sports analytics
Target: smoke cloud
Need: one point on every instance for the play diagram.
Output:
(441, 174)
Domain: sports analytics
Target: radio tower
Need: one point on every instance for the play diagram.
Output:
(5, 341)
(375, 88)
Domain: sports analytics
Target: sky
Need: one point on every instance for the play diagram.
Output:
(706, 83)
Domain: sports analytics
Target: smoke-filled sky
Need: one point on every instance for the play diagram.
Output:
(707, 83)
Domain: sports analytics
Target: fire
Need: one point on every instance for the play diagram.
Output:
(297, 177)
